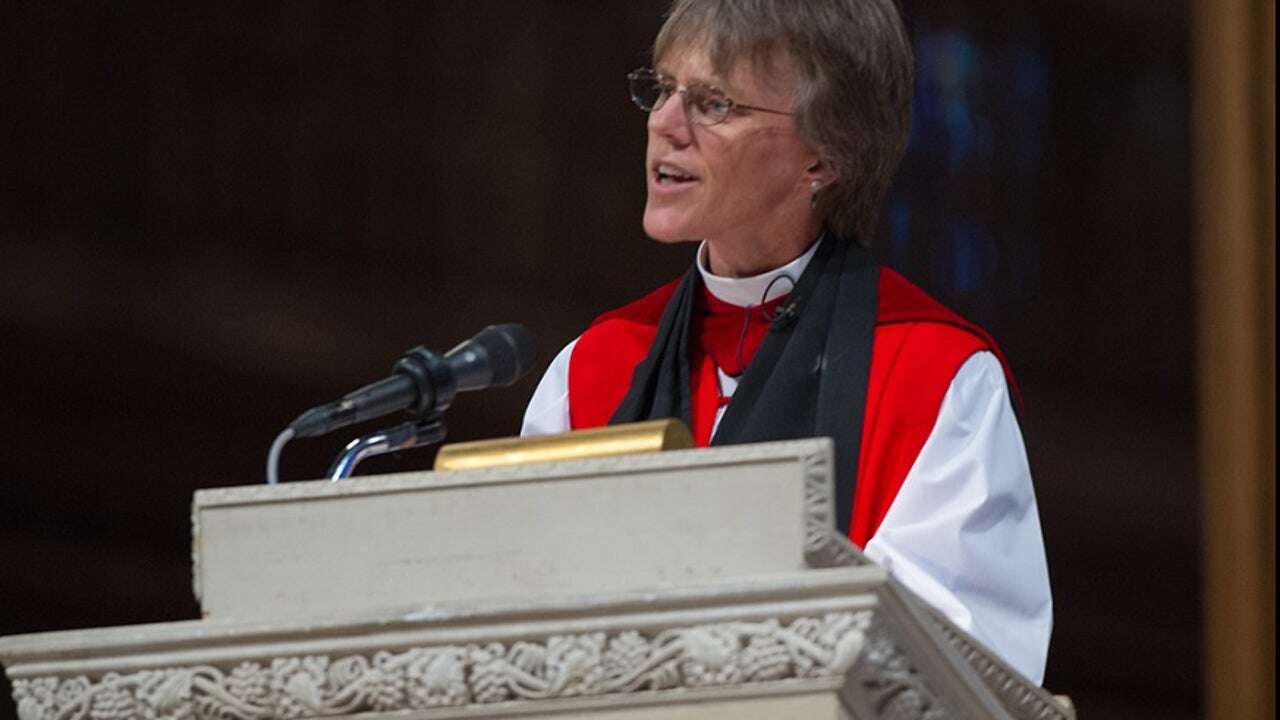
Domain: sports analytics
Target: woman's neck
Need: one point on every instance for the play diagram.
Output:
(738, 258)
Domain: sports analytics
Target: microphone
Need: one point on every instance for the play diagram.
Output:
(425, 382)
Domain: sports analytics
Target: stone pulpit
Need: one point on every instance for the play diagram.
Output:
(686, 584)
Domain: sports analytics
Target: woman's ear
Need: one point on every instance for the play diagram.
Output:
(821, 172)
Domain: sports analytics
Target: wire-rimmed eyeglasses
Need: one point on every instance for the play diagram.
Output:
(703, 104)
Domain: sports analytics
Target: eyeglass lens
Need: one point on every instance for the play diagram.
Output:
(704, 104)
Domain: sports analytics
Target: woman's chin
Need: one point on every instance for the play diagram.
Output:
(665, 231)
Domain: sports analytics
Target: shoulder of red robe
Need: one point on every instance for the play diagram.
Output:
(919, 347)
(900, 301)
(607, 353)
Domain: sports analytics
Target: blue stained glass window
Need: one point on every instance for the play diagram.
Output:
(962, 216)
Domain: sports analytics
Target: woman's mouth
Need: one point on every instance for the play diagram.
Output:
(667, 178)
(670, 175)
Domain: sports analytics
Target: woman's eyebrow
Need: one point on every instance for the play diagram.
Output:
(691, 81)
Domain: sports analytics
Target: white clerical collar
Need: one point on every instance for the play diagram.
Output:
(751, 290)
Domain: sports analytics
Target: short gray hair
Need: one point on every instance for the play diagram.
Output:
(853, 88)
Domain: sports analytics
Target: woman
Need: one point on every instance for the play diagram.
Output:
(774, 130)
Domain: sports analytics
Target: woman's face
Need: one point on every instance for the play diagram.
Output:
(745, 180)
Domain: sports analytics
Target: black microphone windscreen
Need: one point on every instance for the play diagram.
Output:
(510, 351)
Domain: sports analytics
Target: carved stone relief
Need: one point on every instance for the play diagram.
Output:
(560, 666)
(823, 544)
(1022, 699)
(893, 687)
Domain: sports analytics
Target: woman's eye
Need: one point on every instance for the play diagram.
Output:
(715, 105)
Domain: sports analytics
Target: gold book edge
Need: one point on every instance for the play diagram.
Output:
(631, 438)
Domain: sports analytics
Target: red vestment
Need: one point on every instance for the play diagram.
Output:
(918, 346)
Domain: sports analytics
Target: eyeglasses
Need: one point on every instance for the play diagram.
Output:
(703, 104)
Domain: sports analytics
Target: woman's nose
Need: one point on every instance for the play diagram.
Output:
(670, 119)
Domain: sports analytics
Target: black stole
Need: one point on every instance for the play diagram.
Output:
(807, 379)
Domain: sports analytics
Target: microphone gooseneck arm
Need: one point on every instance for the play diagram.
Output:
(405, 436)
(273, 457)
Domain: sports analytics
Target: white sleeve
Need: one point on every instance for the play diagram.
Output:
(963, 531)
(548, 410)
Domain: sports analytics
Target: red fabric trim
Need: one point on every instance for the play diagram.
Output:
(718, 329)
(605, 356)
(901, 301)
(912, 365)
(918, 347)
(647, 310)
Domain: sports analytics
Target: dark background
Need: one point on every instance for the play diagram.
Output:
(212, 218)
